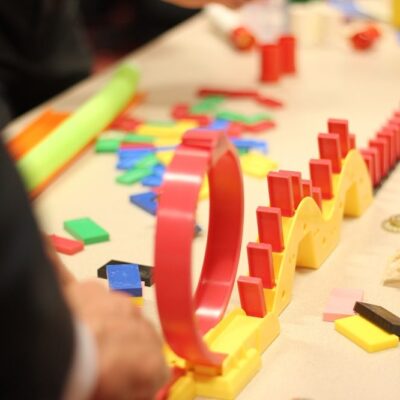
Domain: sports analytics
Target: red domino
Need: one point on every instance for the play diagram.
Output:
(287, 47)
(270, 63)
(202, 92)
(369, 160)
(269, 222)
(383, 148)
(260, 263)
(280, 190)
(390, 135)
(125, 123)
(130, 145)
(268, 101)
(352, 141)
(252, 296)
(180, 110)
(307, 187)
(376, 163)
(66, 246)
(258, 127)
(317, 196)
(321, 176)
(296, 185)
(394, 123)
(329, 149)
(341, 127)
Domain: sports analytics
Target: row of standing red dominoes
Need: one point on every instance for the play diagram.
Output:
(287, 189)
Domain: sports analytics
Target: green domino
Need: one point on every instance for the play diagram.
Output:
(230, 116)
(207, 105)
(147, 161)
(254, 119)
(107, 145)
(132, 138)
(133, 176)
(86, 230)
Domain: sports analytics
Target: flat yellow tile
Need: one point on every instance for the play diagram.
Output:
(364, 333)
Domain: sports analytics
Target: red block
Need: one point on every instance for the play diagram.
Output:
(280, 190)
(321, 176)
(317, 196)
(383, 147)
(394, 123)
(329, 149)
(270, 63)
(376, 163)
(203, 92)
(341, 127)
(369, 160)
(390, 136)
(258, 126)
(252, 296)
(268, 101)
(269, 222)
(296, 186)
(124, 123)
(352, 141)
(307, 187)
(260, 263)
(179, 111)
(66, 246)
(130, 145)
(287, 46)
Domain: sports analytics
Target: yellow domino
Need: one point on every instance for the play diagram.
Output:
(137, 301)
(364, 333)
(165, 157)
(257, 165)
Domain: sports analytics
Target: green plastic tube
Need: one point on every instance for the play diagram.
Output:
(68, 139)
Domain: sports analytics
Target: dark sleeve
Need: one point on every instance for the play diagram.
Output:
(36, 331)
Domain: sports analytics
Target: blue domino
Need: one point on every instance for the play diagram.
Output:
(260, 145)
(146, 201)
(125, 278)
(219, 124)
(152, 181)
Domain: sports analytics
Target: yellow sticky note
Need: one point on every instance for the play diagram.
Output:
(365, 334)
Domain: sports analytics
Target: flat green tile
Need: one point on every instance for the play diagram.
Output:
(148, 161)
(104, 145)
(134, 175)
(86, 230)
(132, 138)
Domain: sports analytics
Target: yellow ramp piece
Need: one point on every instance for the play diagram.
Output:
(364, 333)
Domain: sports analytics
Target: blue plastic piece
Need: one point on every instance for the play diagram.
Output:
(159, 170)
(248, 144)
(133, 153)
(219, 124)
(152, 180)
(125, 278)
(146, 201)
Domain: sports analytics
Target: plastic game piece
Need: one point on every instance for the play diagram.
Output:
(306, 187)
(137, 301)
(369, 160)
(46, 159)
(146, 201)
(252, 296)
(296, 186)
(148, 161)
(379, 316)
(376, 163)
(365, 334)
(352, 141)
(269, 222)
(146, 272)
(321, 176)
(142, 146)
(391, 139)
(287, 47)
(317, 196)
(260, 263)
(270, 63)
(257, 165)
(340, 127)
(200, 152)
(341, 303)
(66, 246)
(124, 123)
(133, 176)
(260, 145)
(329, 149)
(268, 101)
(165, 157)
(365, 39)
(207, 105)
(104, 145)
(383, 147)
(86, 230)
(227, 93)
(134, 138)
(125, 278)
(152, 180)
(280, 190)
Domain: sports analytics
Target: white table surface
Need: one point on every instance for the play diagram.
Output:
(309, 359)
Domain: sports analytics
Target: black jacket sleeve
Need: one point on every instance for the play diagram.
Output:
(36, 331)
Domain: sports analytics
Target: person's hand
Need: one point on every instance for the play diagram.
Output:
(202, 3)
(131, 365)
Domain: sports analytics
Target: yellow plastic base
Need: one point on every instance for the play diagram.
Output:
(396, 13)
(365, 334)
(309, 237)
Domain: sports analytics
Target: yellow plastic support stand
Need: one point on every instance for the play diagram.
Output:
(310, 236)
(396, 13)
